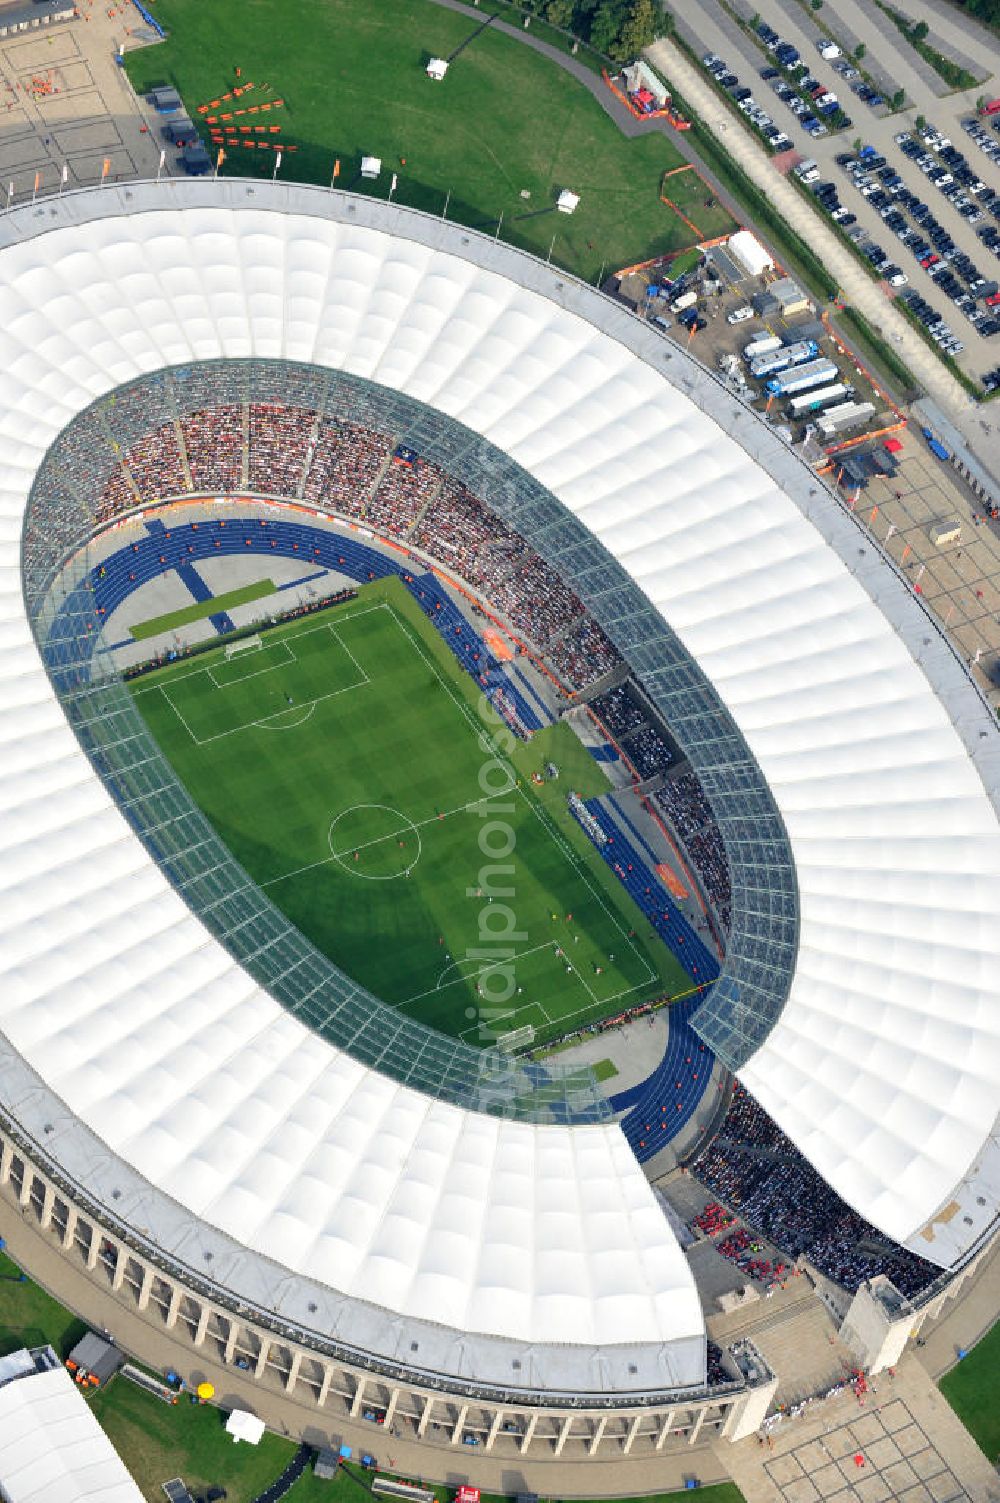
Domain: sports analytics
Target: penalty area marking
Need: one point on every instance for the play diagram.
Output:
(351, 866)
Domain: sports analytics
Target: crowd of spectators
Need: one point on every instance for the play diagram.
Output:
(583, 654)
(456, 528)
(117, 496)
(347, 462)
(278, 448)
(401, 495)
(213, 439)
(618, 711)
(716, 1368)
(683, 801)
(648, 752)
(758, 1172)
(713, 1218)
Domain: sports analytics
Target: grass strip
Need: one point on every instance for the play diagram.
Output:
(200, 610)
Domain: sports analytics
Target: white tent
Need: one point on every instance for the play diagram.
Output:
(242, 1425)
(371, 166)
(437, 68)
(567, 201)
(749, 252)
(52, 1449)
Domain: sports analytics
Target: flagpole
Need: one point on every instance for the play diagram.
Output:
(392, 188)
(277, 164)
(552, 245)
(34, 191)
(159, 168)
(64, 178)
(447, 201)
(499, 223)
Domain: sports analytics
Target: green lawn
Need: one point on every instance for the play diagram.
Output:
(973, 1391)
(30, 1317)
(341, 763)
(505, 121)
(198, 610)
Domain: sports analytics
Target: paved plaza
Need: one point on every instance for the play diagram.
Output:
(65, 102)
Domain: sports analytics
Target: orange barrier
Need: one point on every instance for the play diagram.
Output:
(500, 648)
(671, 881)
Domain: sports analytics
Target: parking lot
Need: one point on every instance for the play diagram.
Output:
(952, 190)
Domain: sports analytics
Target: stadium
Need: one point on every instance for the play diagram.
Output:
(490, 493)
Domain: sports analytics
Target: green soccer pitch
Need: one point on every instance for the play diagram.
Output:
(342, 761)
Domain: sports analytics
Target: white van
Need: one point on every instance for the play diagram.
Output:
(827, 49)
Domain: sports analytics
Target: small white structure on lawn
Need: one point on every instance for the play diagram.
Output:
(437, 68)
(242, 1425)
(371, 166)
(566, 202)
(749, 252)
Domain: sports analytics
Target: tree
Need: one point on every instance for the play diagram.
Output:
(896, 102)
(605, 25)
(817, 4)
(920, 122)
(859, 51)
(559, 12)
(638, 30)
(920, 30)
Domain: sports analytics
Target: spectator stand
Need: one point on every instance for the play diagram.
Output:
(755, 1170)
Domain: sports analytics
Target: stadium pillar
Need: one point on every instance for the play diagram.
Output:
(146, 1287)
(633, 1431)
(293, 1372)
(390, 1408)
(27, 1180)
(324, 1388)
(69, 1230)
(6, 1160)
(665, 1428)
(174, 1307)
(529, 1432)
(567, 1426)
(494, 1430)
(598, 1435)
(94, 1246)
(48, 1206)
(359, 1394)
(696, 1427)
(262, 1356)
(204, 1316)
(428, 1406)
(456, 1434)
(230, 1351)
(121, 1260)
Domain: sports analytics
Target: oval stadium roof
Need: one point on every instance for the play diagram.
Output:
(883, 1067)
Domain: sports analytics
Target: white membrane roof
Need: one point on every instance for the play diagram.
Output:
(885, 1063)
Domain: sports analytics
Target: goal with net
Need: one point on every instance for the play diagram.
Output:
(516, 1038)
(245, 644)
